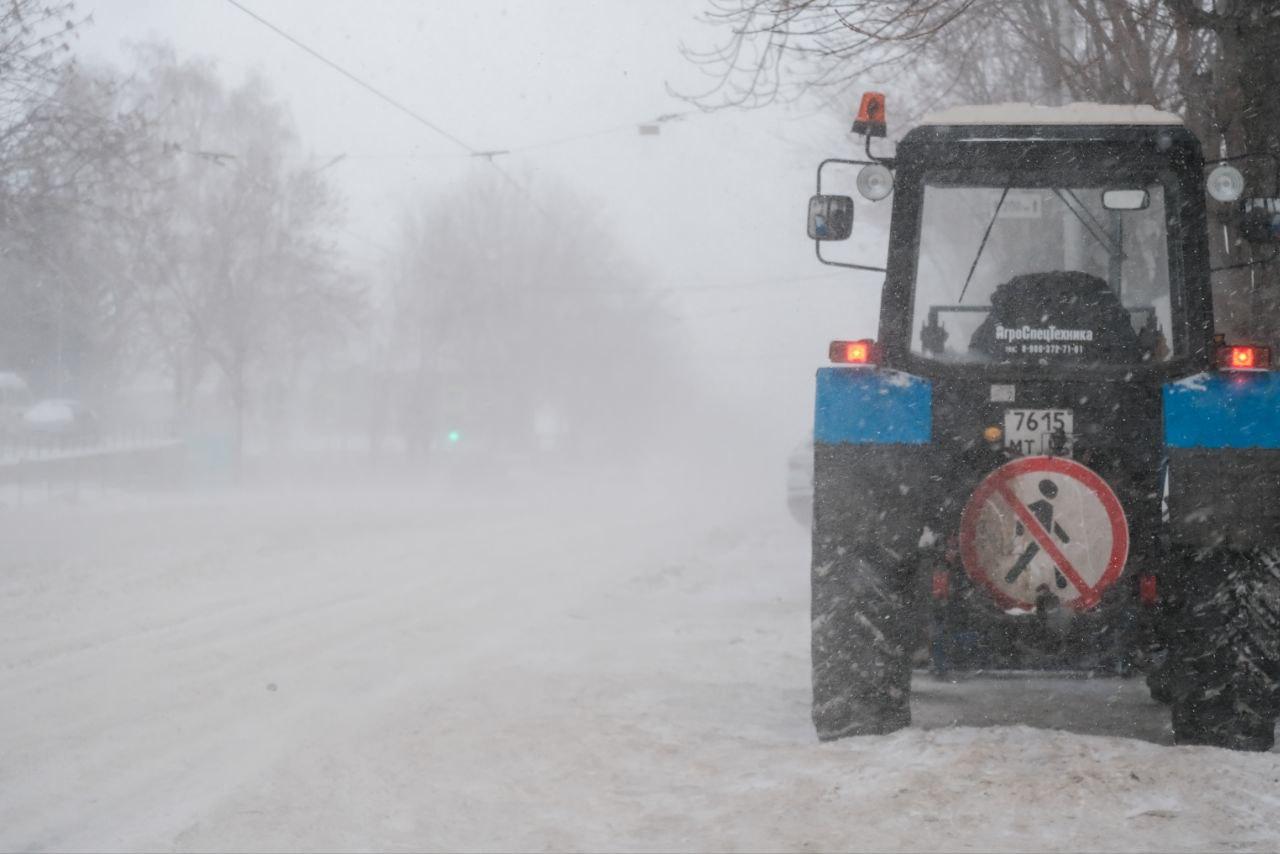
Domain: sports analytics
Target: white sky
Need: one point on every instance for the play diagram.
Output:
(714, 206)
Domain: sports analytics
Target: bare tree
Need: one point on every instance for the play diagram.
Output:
(159, 214)
(229, 235)
(66, 146)
(514, 318)
(35, 50)
(1214, 61)
(1238, 87)
(777, 48)
(985, 50)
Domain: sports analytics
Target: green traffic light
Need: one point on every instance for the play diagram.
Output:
(454, 436)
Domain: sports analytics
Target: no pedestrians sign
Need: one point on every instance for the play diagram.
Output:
(1044, 525)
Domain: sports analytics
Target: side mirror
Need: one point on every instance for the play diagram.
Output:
(830, 217)
(1125, 200)
(1260, 221)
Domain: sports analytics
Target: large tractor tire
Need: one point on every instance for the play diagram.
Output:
(1162, 662)
(1160, 683)
(867, 533)
(864, 630)
(1225, 676)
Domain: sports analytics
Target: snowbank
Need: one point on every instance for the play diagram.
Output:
(567, 666)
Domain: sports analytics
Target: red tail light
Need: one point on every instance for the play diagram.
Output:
(1147, 590)
(941, 584)
(853, 352)
(1244, 357)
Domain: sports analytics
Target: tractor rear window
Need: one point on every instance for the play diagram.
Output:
(1043, 275)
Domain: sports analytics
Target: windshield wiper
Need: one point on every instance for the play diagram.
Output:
(1094, 227)
(983, 244)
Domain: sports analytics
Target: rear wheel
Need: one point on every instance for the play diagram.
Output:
(1162, 659)
(1160, 684)
(1224, 678)
(863, 633)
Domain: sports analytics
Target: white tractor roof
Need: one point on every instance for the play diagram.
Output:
(1071, 114)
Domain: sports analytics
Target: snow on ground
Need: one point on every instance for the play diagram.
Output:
(594, 665)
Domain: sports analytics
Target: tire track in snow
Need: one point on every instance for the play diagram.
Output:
(174, 678)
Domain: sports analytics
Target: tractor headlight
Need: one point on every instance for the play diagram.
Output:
(875, 182)
(1225, 183)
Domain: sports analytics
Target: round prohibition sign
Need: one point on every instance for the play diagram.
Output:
(1044, 524)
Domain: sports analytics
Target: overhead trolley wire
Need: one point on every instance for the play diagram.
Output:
(578, 137)
(369, 87)
(413, 114)
(489, 155)
(471, 151)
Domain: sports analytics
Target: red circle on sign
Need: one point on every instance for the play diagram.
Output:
(997, 482)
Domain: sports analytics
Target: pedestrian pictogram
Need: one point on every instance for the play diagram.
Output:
(1044, 525)
(1043, 511)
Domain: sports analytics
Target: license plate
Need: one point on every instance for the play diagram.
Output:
(1032, 431)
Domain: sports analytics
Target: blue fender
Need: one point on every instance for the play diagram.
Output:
(871, 406)
(1234, 410)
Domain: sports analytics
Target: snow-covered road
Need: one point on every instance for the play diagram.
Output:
(588, 666)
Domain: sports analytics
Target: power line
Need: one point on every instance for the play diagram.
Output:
(471, 151)
(369, 87)
(488, 156)
(554, 142)
(565, 140)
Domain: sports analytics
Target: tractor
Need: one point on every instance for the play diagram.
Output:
(1047, 458)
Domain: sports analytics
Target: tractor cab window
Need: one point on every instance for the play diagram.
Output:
(1014, 273)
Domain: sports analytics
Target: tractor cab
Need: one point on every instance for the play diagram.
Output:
(1030, 241)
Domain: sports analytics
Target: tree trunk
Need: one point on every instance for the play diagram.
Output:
(1251, 56)
(1239, 104)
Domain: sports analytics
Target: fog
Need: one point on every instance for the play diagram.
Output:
(407, 423)
(308, 404)
(705, 217)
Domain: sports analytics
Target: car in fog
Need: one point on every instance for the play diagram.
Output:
(62, 418)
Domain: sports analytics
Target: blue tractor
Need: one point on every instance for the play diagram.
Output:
(1047, 458)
